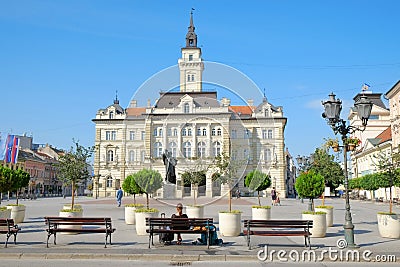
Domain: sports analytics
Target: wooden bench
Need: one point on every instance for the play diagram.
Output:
(78, 225)
(8, 227)
(178, 226)
(278, 228)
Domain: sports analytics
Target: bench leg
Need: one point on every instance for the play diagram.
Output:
(105, 243)
(8, 236)
(248, 241)
(150, 239)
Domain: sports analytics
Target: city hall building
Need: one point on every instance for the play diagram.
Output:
(194, 125)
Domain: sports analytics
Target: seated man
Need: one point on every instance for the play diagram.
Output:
(179, 214)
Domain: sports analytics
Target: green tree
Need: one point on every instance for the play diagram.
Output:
(225, 172)
(195, 176)
(326, 165)
(355, 183)
(5, 179)
(19, 179)
(149, 181)
(73, 167)
(257, 181)
(310, 185)
(131, 187)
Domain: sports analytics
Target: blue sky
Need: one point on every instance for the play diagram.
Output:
(61, 61)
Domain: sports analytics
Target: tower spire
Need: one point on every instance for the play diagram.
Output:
(191, 37)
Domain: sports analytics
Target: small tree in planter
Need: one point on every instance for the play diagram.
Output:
(226, 170)
(195, 176)
(149, 181)
(311, 185)
(73, 167)
(258, 181)
(18, 179)
(131, 187)
(5, 179)
(388, 222)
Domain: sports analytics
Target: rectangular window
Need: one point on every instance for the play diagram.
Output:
(143, 135)
(264, 134)
(111, 135)
(270, 134)
(374, 117)
(247, 134)
(132, 135)
(204, 132)
(198, 131)
(108, 135)
(190, 57)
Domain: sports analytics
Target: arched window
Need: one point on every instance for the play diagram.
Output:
(184, 132)
(219, 132)
(201, 149)
(109, 181)
(110, 155)
(188, 78)
(204, 131)
(111, 115)
(187, 150)
(213, 132)
(192, 77)
(216, 149)
(172, 148)
(175, 132)
(131, 155)
(189, 131)
(157, 150)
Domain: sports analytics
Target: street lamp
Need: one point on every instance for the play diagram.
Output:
(304, 163)
(332, 108)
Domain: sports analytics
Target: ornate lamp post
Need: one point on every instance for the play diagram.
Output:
(333, 108)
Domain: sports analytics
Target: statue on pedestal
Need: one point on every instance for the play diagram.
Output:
(170, 163)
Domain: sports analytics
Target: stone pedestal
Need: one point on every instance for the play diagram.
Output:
(169, 191)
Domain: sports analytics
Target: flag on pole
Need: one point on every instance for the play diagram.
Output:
(2, 146)
(365, 87)
(12, 147)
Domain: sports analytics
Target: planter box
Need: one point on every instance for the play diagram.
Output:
(319, 224)
(141, 221)
(329, 215)
(74, 214)
(389, 225)
(130, 215)
(17, 213)
(5, 214)
(195, 212)
(230, 224)
(260, 214)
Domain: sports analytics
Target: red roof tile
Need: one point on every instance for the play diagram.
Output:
(385, 135)
(245, 110)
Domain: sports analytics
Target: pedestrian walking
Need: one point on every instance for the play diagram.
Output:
(119, 196)
(273, 196)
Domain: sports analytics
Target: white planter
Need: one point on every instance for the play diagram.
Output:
(5, 214)
(74, 214)
(389, 225)
(329, 215)
(17, 213)
(195, 211)
(230, 224)
(130, 214)
(141, 221)
(319, 224)
(260, 214)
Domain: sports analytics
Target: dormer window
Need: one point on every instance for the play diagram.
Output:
(186, 108)
(111, 115)
(266, 112)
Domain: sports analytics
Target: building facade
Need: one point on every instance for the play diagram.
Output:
(195, 126)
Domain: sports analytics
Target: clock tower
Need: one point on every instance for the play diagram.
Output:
(191, 65)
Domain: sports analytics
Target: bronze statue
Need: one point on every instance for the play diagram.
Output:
(170, 163)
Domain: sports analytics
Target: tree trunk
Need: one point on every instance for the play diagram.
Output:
(134, 198)
(147, 200)
(258, 195)
(73, 195)
(17, 196)
(230, 199)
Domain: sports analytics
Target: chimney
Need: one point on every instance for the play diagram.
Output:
(148, 103)
(133, 103)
